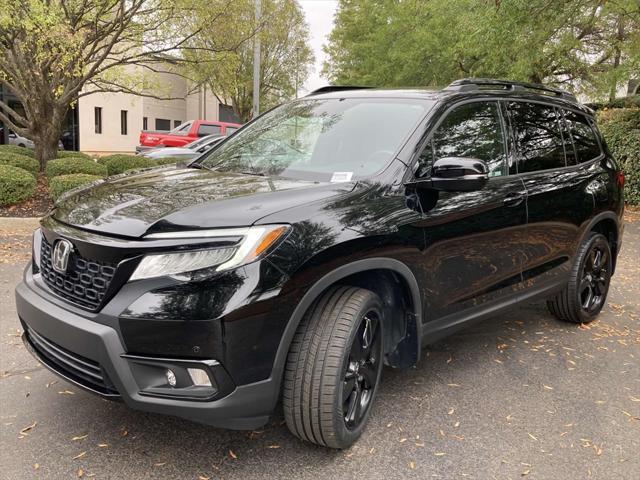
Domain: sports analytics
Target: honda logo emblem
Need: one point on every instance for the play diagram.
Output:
(60, 257)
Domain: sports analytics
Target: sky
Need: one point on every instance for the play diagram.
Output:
(319, 14)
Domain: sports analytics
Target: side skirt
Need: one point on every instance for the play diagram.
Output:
(445, 326)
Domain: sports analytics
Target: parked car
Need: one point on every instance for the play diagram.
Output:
(331, 236)
(15, 139)
(188, 152)
(184, 134)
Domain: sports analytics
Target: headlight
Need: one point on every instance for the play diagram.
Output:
(255, 241)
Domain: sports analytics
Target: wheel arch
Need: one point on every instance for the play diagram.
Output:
(608, 224)
(408, 349)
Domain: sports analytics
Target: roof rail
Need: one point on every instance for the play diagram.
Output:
(471, 84)
(335, 88)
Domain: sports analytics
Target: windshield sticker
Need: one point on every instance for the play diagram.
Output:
(341, 177)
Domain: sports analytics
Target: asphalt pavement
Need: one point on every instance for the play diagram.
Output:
(518, 396)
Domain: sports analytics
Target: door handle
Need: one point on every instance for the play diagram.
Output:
(513, 199)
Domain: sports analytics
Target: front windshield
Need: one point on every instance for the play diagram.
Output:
(319, 139)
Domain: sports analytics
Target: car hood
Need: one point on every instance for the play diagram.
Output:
(185, 198)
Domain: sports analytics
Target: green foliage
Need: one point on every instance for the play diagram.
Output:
(18, 150)
(21, 161)
(285, 55)
(64, 183)
(120, 163)
(589, 45)
(72, 153)
(16, 185)
(67, 166)
(621, 130)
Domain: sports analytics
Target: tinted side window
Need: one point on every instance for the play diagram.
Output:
(584, 138)
(538, 137)
(205, 129)
(471, 130)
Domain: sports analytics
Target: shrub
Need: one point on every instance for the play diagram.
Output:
(21, 161)
(67, 166)
(120, 163)
(17, 150)
(621, 130)
(16, 185)
(72, 153)
(64, 183)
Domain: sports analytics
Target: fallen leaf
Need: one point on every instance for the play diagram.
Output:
(532, 437)
(80, 455)
(79, 438)
(232, 455)
(66, 392)
(439, 454)
(273, 446)
(525, 473)
(80, 473)
(548, 387)
(27, 428)
(412, 465)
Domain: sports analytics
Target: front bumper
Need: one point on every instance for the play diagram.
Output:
(92, 356)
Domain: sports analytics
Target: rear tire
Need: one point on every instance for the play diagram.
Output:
(586, 292)
(333, 367)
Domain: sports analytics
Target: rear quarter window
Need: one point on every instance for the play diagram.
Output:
(585, 140)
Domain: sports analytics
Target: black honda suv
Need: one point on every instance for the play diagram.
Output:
(330, 236)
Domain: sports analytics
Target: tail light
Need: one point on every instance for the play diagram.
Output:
(620, 179)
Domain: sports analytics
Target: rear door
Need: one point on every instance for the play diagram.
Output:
(473, 251)
(557, 200)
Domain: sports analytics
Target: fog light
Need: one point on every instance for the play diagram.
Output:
(171, 377)
(199, 377)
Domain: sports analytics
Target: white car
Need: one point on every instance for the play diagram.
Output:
(15, 139)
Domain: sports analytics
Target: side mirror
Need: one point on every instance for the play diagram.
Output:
(456, 174)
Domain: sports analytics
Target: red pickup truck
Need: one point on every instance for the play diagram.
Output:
(185, 133)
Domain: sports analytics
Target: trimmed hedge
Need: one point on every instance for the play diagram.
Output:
(72, 153)
(64, 183)
(21, 161)
(621, 130)
(16, 185)
(17, 150)
(120, 163)
(71, 165)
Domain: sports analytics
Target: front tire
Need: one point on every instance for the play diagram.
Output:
(333, 367)
(586, 292)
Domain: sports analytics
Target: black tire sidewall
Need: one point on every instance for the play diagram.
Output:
(344, 436)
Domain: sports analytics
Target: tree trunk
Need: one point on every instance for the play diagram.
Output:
(46, 144)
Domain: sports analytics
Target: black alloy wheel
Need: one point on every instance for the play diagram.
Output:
(361, 374)
(581, 300)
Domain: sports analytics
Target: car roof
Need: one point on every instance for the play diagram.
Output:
(464, 88)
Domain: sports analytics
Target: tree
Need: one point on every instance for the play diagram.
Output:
(54, 51)
(590, 46)
(285, 56)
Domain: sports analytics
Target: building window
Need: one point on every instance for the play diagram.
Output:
(145, 123)
(123, 122)
(163, 124)
(97, 114)
(177, 123)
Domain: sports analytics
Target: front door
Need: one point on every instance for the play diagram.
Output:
(473, 253)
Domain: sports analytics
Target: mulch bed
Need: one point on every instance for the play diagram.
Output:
(36, 206)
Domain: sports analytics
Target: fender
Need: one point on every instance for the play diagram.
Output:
(329, 279)
(607, 215)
